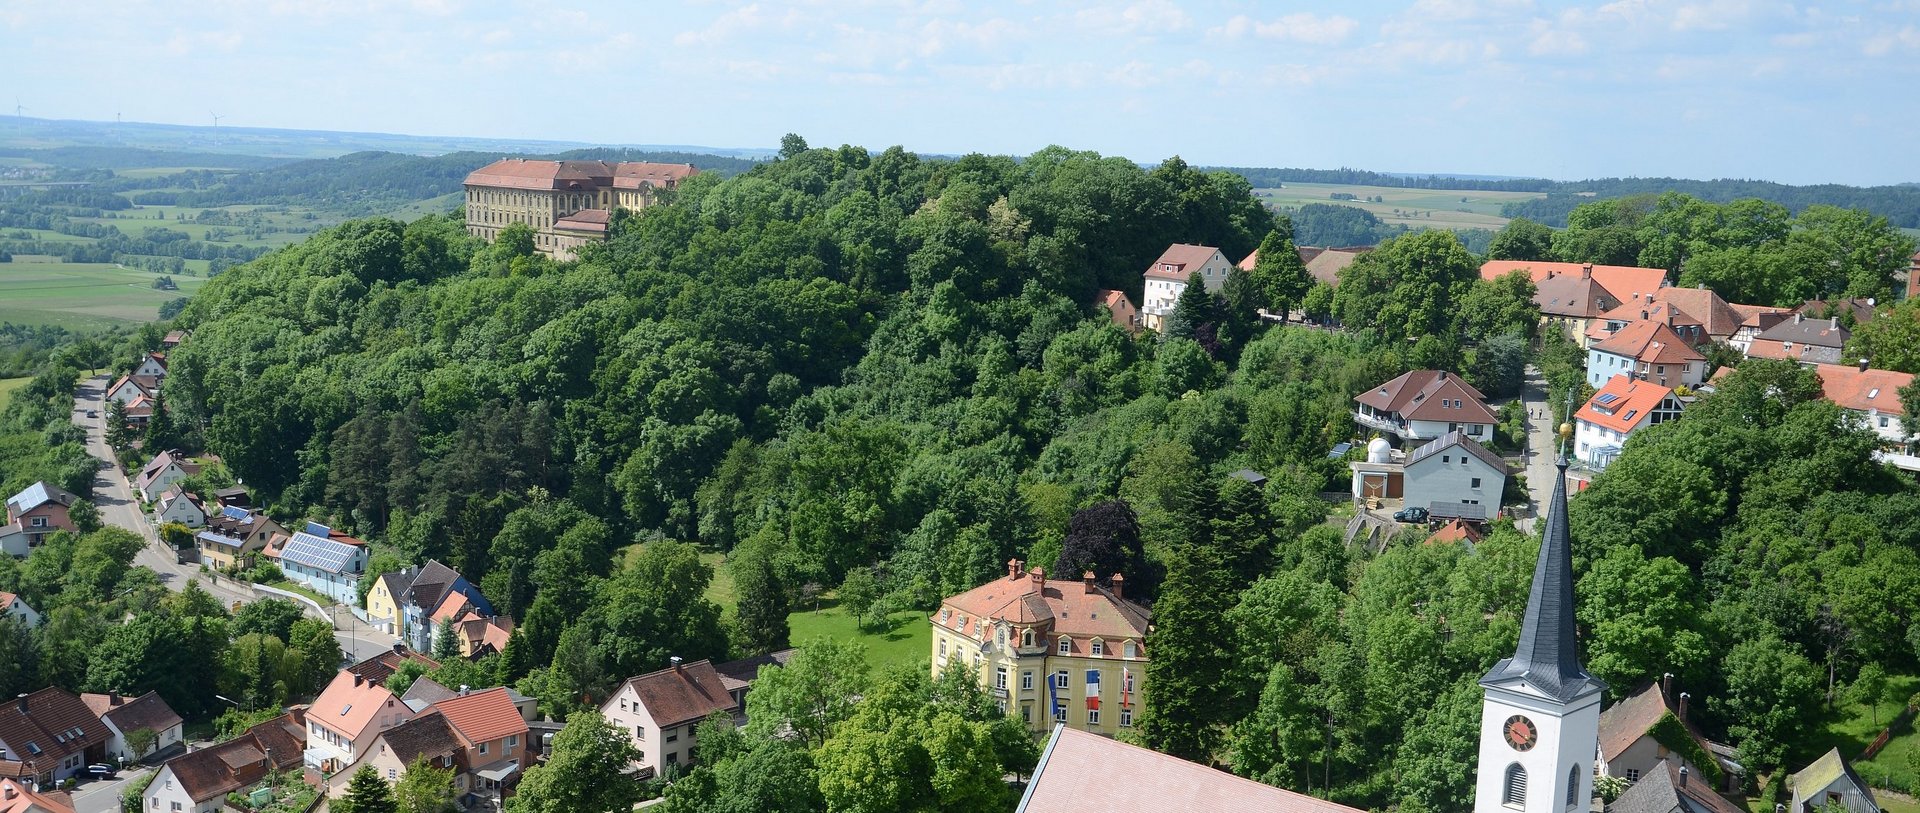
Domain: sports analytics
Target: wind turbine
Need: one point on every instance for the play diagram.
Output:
(216, 118)
(17, 109)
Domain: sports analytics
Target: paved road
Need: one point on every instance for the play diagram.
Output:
(1540, 444)
(113, 495)
(104, 796)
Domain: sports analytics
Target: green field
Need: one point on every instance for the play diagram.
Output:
(906, 639)
(82, 296)
(1415, 208)
(7, 386)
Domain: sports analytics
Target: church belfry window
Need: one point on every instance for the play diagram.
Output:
(1515, 794)
(1573, 786)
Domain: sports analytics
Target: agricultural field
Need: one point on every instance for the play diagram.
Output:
(7, 386)
(82, 296)
(1414, 208)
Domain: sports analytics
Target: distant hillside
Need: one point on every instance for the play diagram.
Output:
(92, 157)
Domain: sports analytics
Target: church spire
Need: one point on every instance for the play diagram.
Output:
(1548, 657)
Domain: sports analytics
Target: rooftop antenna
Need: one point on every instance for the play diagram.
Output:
(216, 118)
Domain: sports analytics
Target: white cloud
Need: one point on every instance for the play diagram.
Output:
(1304, 27)
(1142, 17)
(1907, 38)
(1557, 42)
(745, 18)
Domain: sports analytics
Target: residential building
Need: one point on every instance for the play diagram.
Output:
(1572, 303)
(1167, 277)
(50, 735)
(345, 718)
(481, 636)
(382, 666)
(174, 338)
(563, 201)
(166, 469)
(1121, 310)
(1872, 399)
(1624, 406)
(493, 739)
(152, 366)
(1830, 781)
(1382, 475)
(1808, 341)
(1049, 651)
(428, 736)
(1718, 318)
(1457, 530)
(1649, 350)
(1080, 772)
(132, 715)
(1423, 405)
(232, 497)
(1622, 282)
(1672, 788)
(738, 676)
(1634, 743)
(1913, 277)
(1754, 320)
(1852, 312)
(19, 797)
(139, 412)
(425, 692)
(13, 605)
(323, 559)
(176, 505)
(128, 388)
(234, 534)
(1326, 263)
(199, 781)
(1691, 330)
(1540, 708)
(34, 514)
(1453, 476)
(410, 603)
(660, 712)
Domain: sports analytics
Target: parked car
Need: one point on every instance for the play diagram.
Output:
(1410, 514)
(102, 771)
(93, 413)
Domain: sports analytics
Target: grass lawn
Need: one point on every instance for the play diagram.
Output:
(906, 639)
(1417, 208)
(719, 591)
(7, 386)
(82, 295)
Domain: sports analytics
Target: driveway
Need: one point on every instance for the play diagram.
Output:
(103, 796)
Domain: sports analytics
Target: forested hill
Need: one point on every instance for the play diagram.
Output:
(1899, 203)
(364, 182)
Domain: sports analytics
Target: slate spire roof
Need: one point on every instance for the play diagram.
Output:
(1548, 657)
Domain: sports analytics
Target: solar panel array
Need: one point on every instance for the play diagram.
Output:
(1606, 398)
(317, 552)
(236, 513)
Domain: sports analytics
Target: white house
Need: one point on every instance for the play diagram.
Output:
(153, 365)
(1649, 350)
(128, 388)
(16, 606)
(659, 712)
(1830, 781)
(176, 505)
(1454, 476)
(344, 720)
(165, 469)
(1871, 398)
(1166, 279)
(1425, 404)
(1624, 406)
(325, 560)
(124, 715)
(199, 781)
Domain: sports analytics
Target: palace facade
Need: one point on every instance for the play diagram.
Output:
(567, 203)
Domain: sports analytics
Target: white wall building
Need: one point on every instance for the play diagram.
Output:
(1167, 278)
(1624, 406)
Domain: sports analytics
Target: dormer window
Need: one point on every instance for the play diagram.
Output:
(1066, 645)
(1129, 650)
(945, 614)
(1026, 637)
(1099, 647)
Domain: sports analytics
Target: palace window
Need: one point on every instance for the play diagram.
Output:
(1099, 647)
(1060, 679)
(1515, 794)
(1026, 637)
(1026, 681)
(1000, 677)
(1066, 646)
(1128, 649)
(1093, 716)
(1126, 718)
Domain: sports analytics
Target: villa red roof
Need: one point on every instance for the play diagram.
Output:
(1623, 403)
(1180, 260)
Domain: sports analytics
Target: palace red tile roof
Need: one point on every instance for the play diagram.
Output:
(1180, 260)
(1850, 387)
(483, 716)
(1622, 282)
(637, 174)
(1075, 608)
(593, 220)
(1623, 403)
(682, 694)
(522, 173)
(1082, 772)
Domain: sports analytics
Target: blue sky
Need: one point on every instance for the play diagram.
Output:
(1803, 93)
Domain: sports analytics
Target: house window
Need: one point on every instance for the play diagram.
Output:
(1000, 677)
(1026, 681)
(390, 776)
(1066, 646)
(1446, 458)
(672, 736)
(39, 522)
(1093, 716)
(673, 759)
(1633, 774)
(1515, 794)
(1126, 718)
(1129, 650)
(640, 733)
(623, 705)
(513, 740)
(1476, 482)
(1573, 786)
(1099, 648)
(1026, 712)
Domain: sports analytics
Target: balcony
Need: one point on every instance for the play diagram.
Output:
(1380, 423)
(1000, 692)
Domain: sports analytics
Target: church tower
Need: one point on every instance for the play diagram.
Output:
(1540, 716)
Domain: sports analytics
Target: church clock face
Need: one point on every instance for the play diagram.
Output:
(1520, 733)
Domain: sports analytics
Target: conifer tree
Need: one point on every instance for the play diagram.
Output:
(367, 793)
(1193, 309)
(160, 435)
(762, 615)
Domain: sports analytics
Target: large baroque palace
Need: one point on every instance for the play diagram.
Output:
(567, 203)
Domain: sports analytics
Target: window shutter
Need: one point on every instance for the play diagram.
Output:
(1573, 786)
(1516, 794)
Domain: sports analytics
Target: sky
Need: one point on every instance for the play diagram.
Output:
(1793, 92)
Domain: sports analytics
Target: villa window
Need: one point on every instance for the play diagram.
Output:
(1026, 637)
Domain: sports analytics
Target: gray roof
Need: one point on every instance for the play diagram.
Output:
(1816, 332)
(318, 552)
(1455, 438)
(38, 494)
(1548, 656)
(1659, 792)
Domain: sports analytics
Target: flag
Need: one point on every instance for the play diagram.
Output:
(1093, 689)
(1053, 694)
(1126, 686)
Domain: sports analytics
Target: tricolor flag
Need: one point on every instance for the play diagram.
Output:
(1093, 689)
(1053, 694)
(1126, 686)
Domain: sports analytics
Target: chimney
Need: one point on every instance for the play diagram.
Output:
(1119, 586)
(1440, 375)
(1666, 687)
(1683, 776)
(114, 698)
(1797, 317)
(1863, 365)
(1013, 569)
(1833, 323)
(463, 689)
(1586, 271)
(1038, 577)
(399, 648)
(358, 680)
(1087, 579)
(23, 702)
(1682, 712)
(675, 660)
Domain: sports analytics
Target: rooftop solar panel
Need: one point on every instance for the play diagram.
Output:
(316, 552)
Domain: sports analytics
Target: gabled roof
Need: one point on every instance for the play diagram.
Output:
(1573, 296)
(20, 797)
(382, 666)
(1650, 342)
(1661, 791)
(1181, 260)
(428, 586)
(48, 726)
(1760, 317)
(1622, 282)
(430, 735)
(638, 174)
(1866, 390)
(426, 692)
(1624, 403)
(737, 674)
(159, 463)
(1634, 311)
(242, 761)
(1427, 395)
(1547, 657)
(1801, 330)
(483, 716)
(1327, 263)
(143, 384)
(7, 599)
(36, 495)
(522, 173)
(682, 694)
(593, 220)
(1457, 530)
(1450, 440)
(1715, 315)
(1081, 772)
(1825, 771)
(351, 702)
(1624, 723)
(1862, 309)
(144, 713)
(323, 548)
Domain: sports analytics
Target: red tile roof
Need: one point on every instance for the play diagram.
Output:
(48, 726)
(1651, 342)
(593, 220)
(682, 694)
(241, 762)
(1573, 296)
(144, 713)
(1086, 773)
(1848, 386)
(1718, 317)
(637, 174)
(1666, 312)
(382, 666)
(20, 797)
(483, 716)
(1623, 404)
(1760, 317)
(1625, 722)
(1181, 260)
(351, 703)
(1622, 282)
(1456, 530)
(1075, 609)
(1327, 263)
(521, 173)
(1428, 395)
